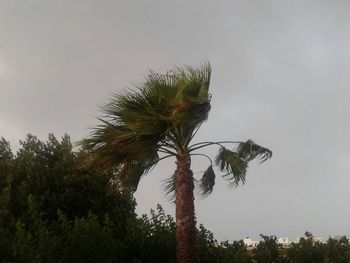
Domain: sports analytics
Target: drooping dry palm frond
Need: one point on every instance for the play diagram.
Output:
(208, 181)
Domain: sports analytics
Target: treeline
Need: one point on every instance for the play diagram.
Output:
(53, 209)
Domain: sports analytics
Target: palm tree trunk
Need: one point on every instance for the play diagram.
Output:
(186, 233)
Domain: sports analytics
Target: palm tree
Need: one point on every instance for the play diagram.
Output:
(158, 121)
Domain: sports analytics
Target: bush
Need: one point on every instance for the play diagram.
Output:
(52, 209)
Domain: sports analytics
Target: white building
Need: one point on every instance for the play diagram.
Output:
(250, 244)
(283, 241)
(320, 240)
(315, 239)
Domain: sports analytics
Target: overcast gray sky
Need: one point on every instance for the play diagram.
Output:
(280, 77)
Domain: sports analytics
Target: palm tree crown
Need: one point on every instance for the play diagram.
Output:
(160, 118)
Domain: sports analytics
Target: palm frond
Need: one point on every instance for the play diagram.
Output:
(208, 181)
(130, 173)
(235, 162)
(234, 166)
(169, 187)
(250, 150)
(113, 145)
(184, 94)
(137, 113)
(193, 82)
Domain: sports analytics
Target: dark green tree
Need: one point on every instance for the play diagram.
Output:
(51, 173)
(338, 251)
(157, 121)
(306, 251)
(267, 250)
(235, 252)
(151, 239)
(6, 158)
(50, 205)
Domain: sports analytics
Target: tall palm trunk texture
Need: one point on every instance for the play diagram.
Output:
(186, 237)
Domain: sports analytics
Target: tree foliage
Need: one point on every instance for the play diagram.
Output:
(49, 204)
(54, 210)
(267, 250)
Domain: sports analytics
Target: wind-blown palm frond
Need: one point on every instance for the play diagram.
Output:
(235, 162)
(130, 173)
(249, 150)
(169, 186)
(235, 166)
(208, 181)
(185, 92)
